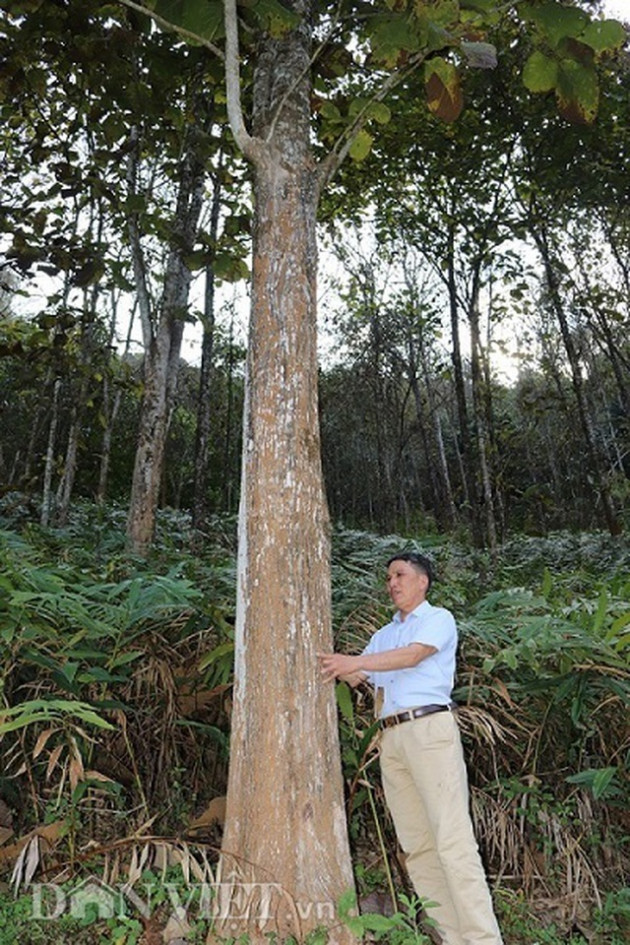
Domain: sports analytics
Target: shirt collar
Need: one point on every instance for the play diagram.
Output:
(416, 612)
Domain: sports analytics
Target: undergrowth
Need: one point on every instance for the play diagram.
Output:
(115, 683)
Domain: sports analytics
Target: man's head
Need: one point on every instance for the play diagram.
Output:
(409, 578)
(420, 562)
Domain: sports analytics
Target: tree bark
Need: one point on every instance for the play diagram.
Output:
(285, 829)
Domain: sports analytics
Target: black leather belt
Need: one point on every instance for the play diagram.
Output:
(409, 714)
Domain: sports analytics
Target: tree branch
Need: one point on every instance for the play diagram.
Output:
(243, 139)
(167, 25)
(333, 161)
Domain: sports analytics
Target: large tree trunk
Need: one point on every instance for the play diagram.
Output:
(285, 825)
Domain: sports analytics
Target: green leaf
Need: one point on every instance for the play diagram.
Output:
(123, 658)
(347, 903)
(540, 73)
(273, 16)
(223, 649)
(329, 110)
(344, 701)
(555, 20)
(600, 614)
(375, 922)
(204, 18)
(361, 146)
(201, 17)
(600, 781)
(577, 92)
(42, 710)
(380, 112)
(479, 6)
(392, 38)
(69, 670)
(618, 624)
(604, 35)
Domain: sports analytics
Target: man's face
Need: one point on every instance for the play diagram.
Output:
(407, 586)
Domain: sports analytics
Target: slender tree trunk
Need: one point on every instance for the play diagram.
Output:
(432, 470)
(66, 483)
(592, 452)
(229, 449)
(111, 406)
(448, 510)
(204, 411)
(162, 352)
(50, 455)
(465, 444)
(285, 825)
(481, 427)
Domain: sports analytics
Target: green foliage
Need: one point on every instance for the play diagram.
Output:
(103, 654)
(401, 928)
(101, 675)
(566, 64)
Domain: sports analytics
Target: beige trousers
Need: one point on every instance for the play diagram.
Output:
(426, 789)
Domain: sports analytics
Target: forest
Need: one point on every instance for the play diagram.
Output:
(284, 288)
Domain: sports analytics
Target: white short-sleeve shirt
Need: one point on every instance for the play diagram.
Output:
(431, 681)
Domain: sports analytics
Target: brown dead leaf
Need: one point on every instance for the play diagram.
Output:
(53, 759)
(40, 744)
(213, 814)
(189, 702)
(177, 927)
(5, 834)
(49, 833)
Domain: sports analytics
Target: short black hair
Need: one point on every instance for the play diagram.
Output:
(419, 561)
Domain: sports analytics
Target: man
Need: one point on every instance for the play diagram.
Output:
(411, 664)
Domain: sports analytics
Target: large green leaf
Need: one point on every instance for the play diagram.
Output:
(604, 35)
(540, 73)
(392, 38)
(577, 92)
(204, 18)
(361, 145)
(273, 16)
(555, 20)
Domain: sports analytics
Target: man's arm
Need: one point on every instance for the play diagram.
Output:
(354, 679)
(343, 666)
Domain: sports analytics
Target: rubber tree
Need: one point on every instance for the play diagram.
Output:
(285, 788)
